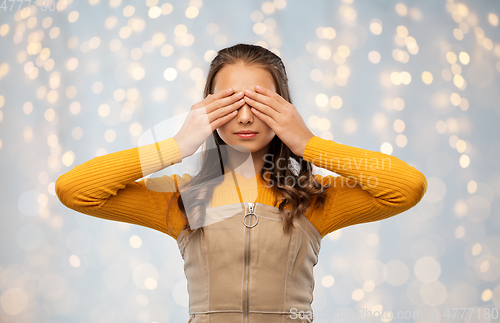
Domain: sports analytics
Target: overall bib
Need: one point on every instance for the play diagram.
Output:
(246, 269)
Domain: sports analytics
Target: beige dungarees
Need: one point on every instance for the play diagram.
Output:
(250, 271)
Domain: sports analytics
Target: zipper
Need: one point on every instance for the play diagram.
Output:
(250, 211)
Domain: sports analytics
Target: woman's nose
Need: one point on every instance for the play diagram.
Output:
(245, 114)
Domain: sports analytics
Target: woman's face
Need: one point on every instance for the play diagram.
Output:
(241, 78)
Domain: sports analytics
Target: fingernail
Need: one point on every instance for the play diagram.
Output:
(258, 87)
(247, 91)
(229, 90)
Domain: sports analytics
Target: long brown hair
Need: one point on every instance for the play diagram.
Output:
(298, 187)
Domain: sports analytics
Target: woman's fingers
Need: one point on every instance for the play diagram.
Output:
(226, 93)
(263, 108)
(268, 98)
(219, 105)
(224, 111)
(213, 97)
(223, 106)
(223, 120)
(223, 102)
(271, 94)
(266, 119)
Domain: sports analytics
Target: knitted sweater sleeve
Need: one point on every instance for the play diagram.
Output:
(372, 186)
(106, 187)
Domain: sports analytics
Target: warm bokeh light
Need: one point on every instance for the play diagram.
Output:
(376, 27)
(427, 77)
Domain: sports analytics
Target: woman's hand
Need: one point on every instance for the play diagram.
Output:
(281, 116)
(206, 116)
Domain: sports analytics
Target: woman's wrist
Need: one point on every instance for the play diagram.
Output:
(179, 143)
(303, 146)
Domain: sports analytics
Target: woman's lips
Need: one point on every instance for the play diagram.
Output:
(246, 135)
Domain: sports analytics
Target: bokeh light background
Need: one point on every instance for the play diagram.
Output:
(415, 79)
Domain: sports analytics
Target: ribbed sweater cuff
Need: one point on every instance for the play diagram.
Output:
(312, 148)
(154, 157)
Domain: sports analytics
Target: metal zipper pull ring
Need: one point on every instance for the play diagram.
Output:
(251, 212)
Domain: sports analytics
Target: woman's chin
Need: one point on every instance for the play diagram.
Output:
(239, 147)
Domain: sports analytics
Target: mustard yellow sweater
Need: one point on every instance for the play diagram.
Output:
(372, 186)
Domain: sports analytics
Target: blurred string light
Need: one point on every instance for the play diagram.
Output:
(64, 96)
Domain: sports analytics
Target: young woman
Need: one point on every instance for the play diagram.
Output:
(249, 255)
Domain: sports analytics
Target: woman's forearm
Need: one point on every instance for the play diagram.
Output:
(392, 181)
(93, 182)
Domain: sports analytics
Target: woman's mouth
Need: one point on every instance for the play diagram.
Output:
(245, 134)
